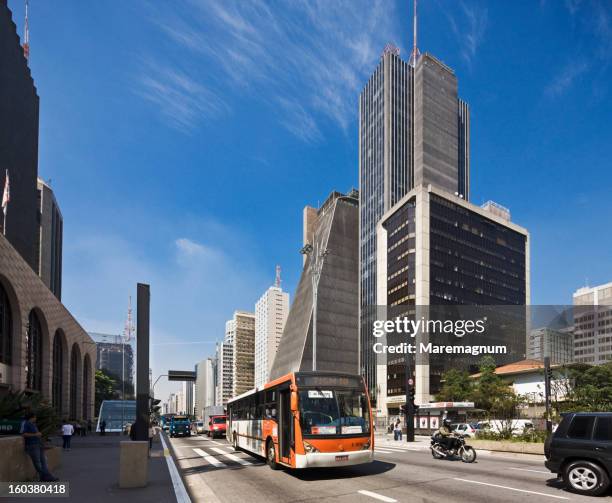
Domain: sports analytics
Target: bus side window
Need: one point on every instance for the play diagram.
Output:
(271, 405)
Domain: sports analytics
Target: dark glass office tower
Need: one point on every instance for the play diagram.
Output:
(413, 131)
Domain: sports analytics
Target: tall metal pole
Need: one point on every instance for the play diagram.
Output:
(547, 393)
(409, 400)
(143, 298)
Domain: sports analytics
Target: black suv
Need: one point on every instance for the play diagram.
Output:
(580, 451)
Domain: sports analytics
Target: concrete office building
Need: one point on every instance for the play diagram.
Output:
(51, 231)
(225, 364)
(593, 324)
(335, 229)
(188, 397)
(113, 355)
(271, 313)
(43, 349)
(205, 385)
(436, 249)
(413, 131)
(557, 344)
(242, 326)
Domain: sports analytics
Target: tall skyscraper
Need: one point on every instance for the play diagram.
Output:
(243, 352)
(413, 131)
(51, 230)
(593, 324)
(205, 385)
(188, 397)
(225, 365)
(271, 313)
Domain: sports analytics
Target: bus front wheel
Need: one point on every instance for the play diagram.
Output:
(271, 455)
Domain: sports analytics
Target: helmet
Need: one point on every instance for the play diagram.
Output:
(447, 422)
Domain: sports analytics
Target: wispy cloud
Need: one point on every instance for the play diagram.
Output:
(564, 80)
(182, 100)
(311, 56)
(469, 28)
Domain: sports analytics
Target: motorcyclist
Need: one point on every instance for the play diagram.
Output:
(446, 436)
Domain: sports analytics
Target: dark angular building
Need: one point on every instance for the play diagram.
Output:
(50, 242)
(413, 131)
(335, 228)
(440, 252)
(19, 105)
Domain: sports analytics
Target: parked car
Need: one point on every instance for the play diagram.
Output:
(580, 451)
(464, 429)
(516, 426)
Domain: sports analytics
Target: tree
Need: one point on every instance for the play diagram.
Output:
(105, 388)
(590, 389)
(457, 386)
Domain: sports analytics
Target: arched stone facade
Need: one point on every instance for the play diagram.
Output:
(31, 302)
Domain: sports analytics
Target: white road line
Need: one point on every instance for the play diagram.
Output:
(177, 482)
(231, 456)
(383, 451)
(211, 459)
(377, 496)
(512, 489)
(534, 471)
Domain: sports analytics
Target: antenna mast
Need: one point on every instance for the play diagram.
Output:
(277, 282)
(129, 325)
(26, 34)
(415, 50)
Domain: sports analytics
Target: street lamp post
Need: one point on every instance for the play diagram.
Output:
(317, 257)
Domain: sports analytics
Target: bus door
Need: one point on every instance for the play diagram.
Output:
(285, 425)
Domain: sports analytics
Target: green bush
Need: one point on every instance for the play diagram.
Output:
(532, 436)
(14, 406)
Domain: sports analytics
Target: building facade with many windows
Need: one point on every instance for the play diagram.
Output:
(271, 313)
(413, 131)
(593, 324)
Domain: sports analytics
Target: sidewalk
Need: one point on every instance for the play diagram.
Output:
(92, 469)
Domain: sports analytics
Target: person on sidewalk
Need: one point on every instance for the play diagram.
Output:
(67, 432)
(151, 435)
(34, 448)
(397, 431)
(103, 427)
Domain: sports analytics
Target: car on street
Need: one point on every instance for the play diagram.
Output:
(198, 427)
(180, 426)
(217, 426)
(464, 429)
(580, 451)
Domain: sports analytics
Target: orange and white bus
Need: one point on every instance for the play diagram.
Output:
(305, 419)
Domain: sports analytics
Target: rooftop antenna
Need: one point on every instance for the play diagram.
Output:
(277, 282)
(26, 34)
(415, 50)
(129, 325)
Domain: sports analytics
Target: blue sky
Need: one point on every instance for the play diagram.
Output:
(184, 138)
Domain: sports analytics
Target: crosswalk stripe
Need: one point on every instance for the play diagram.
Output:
(231, 456)
(211, 459)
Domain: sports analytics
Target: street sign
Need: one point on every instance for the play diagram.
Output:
(181, 375)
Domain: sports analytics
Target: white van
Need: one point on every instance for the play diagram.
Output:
(517, 426)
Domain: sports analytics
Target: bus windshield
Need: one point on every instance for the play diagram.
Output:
(327, 411)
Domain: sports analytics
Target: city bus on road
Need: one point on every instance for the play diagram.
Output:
(304, 420)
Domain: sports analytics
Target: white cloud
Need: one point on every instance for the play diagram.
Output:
(313, 56)
(469, 29)
(562, 82)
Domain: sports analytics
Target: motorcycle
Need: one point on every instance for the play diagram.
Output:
(465, 452)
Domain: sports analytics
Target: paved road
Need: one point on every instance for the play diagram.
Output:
(213, 472)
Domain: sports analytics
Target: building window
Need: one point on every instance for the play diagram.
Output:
(58, 367)
(34, 353)
(6, 328)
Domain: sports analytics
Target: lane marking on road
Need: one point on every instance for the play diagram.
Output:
(512, 489)
(386, 452)
(211, 459)
(529, 470)
(377, 496)
(177, 482)
(231, 456)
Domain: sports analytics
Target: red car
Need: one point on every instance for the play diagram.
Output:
(217, 426)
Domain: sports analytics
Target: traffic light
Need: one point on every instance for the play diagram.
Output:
(411, 393)
(154, 405)
(415, 408)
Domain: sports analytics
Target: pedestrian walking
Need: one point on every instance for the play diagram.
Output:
(151, 435)
(34, 448)
(67, 432)
(397, 431)
(103, 427)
